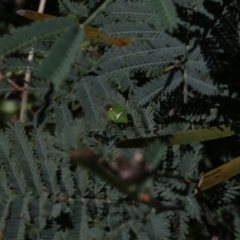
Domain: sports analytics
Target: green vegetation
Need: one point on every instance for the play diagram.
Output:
(131, 128)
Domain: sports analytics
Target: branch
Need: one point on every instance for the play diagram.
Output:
(28, 74)
(89, 159)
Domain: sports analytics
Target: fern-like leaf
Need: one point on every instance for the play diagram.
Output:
(237, 229)
(25, 157)
(155, 154)
(16, 65)
(79, 9)
(39, 209)
(4, 181)
(189, 163)
(193, 207)
(4, 211)
(165, 12)
(67, 181)
(80, 222)
(16, 224)
(130, 11)
(158, 226)
(4, 88)
(48, 168)
(52, 233)
(26, 36)
(63, 117)
(58, 62)
(180, 224)
(231, 192)
(16, 180)
(88, 101)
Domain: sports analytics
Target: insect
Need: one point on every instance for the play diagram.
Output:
(90, 32)
(116, 113)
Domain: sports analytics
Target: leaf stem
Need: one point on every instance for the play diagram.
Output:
(96, 12)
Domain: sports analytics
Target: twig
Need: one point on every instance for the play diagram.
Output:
(28, 73)
(94, 14)
(15, 86)
(41, 6)
(207, 217)
(87, 158)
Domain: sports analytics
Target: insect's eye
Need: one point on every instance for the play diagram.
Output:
(108, 107)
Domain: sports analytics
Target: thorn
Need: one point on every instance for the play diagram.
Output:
(200, 181)
(15, 86)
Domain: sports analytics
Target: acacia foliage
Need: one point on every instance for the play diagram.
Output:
(167, 80)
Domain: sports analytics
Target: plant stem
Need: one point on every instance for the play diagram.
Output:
(96, 12)
(27, 78)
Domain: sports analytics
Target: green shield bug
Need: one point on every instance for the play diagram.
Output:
(116, 113)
